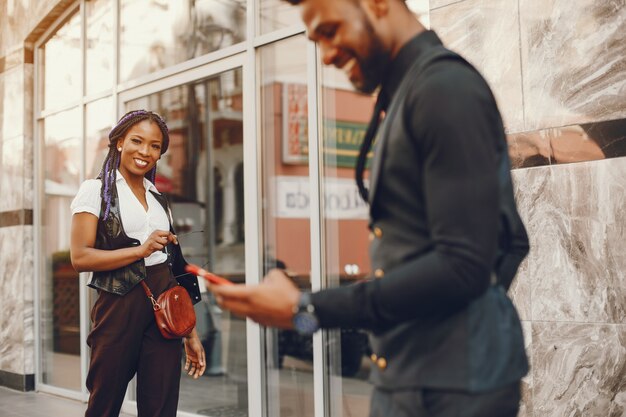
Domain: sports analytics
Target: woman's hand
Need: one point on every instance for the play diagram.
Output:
(156, 242)
(195, 360)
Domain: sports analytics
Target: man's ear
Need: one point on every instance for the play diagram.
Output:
(378, 8)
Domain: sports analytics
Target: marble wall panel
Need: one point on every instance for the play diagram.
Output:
(12, 174)
(577, 227)
(526, 187)
(4, 26)
(573, 61)
(13, 97)
(29, 141)
(2, 105)
(579, 369)
(28, 277)
(13, 29)
(526, 405)
(12, 311)
(521, 289)
(28, 94)
(434, 4)
(18, 19)
(521, 286)
(486, 33)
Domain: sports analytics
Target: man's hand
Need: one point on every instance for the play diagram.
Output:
(270, 303)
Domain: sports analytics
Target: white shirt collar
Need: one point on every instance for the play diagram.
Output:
(147, 184)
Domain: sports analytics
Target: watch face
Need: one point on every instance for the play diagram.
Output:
(305, 323)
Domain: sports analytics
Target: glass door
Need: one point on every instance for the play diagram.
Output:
(60, 149)
(286, 215)
(59, 287)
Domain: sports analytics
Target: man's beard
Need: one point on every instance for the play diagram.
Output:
(373, 66)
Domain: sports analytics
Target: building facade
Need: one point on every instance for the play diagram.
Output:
(259, 172)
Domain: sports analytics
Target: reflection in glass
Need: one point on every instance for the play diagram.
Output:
(60, 315)
(99, 45)
(277, 14)
(61, 61)
(62, 156)
(99, 122)
(158, 34)
(201, 174)
(286, 215)
(345, 117)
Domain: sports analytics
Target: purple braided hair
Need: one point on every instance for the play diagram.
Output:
(108, 175)
(152, 175)
(106, 191)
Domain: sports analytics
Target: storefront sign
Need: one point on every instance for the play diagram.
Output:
(341, 139)
(341, 199)
(295, 124)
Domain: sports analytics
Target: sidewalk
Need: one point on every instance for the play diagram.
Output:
(31, 404)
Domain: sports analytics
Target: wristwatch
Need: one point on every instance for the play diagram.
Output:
(304, 319)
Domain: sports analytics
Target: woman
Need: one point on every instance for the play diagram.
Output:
(122, 231)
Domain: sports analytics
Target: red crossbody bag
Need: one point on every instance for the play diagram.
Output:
(173, 311)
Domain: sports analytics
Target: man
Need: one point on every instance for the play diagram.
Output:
(447, 238)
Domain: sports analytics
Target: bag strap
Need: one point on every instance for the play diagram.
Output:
(155, 304)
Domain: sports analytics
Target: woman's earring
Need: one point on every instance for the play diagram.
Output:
(119, 149)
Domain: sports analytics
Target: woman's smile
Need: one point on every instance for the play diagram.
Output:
(140, 163)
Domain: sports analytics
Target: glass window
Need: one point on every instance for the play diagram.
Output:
(62, 152)
(61, 65)
(201, 174)
(155, 34)
(99, 122)
(286, 214)
(99, 45)
(60, 313)
(277, 14)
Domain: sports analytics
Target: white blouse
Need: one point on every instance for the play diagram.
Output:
(137, 222)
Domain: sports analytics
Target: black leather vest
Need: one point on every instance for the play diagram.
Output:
(110, 235)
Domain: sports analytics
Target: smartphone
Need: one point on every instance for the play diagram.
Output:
(211, 278)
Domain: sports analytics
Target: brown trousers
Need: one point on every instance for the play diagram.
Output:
(125, 340)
